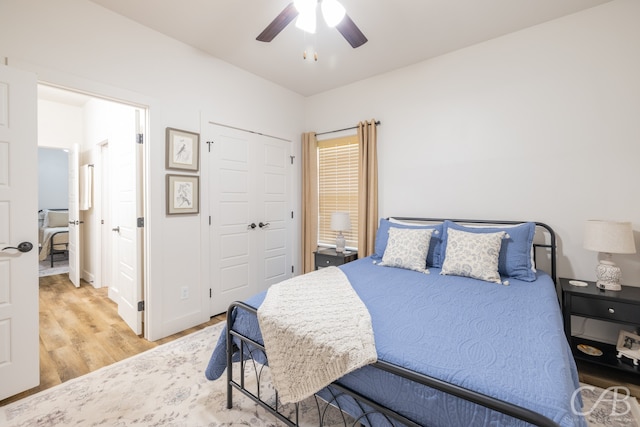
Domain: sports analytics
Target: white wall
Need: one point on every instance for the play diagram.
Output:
(75, 43)
(53, 178)
(59, 125)
(541, 124)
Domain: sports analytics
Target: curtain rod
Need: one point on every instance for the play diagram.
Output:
(249, 131)
(340, 130)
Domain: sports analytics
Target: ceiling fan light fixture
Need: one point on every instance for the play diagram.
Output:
(306, 15)
(303, 5)
(307, 22)
(332, 11)
(306, 11)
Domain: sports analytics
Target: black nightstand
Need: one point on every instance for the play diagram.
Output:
(328, 257)
(612, 306)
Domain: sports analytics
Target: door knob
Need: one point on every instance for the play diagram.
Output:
(116, 229)
(22, 247)
(263, 225)
(252, 225)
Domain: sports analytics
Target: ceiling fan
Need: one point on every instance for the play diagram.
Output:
(305, 10)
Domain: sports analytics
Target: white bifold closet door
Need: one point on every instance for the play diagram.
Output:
(248, 184)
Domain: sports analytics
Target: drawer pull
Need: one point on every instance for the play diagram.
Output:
(611, 310)
(328, 262)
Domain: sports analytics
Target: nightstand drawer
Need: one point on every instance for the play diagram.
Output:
(328, 260)
(607, 310)
(329, 257)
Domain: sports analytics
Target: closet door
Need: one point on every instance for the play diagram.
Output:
(249, 211)
(273, 211)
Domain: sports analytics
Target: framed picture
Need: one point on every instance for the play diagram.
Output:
(629, 346)
(183, 149)
(183, 194)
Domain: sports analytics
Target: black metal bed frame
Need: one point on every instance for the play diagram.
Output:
(369, 408)
(52, 249)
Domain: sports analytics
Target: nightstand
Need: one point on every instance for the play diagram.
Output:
(621, 307)
(328, 257)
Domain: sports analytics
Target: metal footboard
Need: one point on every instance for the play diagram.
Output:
(371, 413)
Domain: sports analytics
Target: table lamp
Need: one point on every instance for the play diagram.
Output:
(609, 237)
(340, 222)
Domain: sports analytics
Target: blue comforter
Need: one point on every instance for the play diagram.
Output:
(504, 341)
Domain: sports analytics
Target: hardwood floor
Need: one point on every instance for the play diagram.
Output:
(80, 332)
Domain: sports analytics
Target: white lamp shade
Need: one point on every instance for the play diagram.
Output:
(332, 11)
(303, 6)
(609, 237)
(340, 221)
(306, 15)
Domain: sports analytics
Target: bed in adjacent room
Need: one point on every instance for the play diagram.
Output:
(468, 331)
(53, 235)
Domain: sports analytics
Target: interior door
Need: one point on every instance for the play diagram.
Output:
(74, 215)
(125, 184)
(105, 217)
(249, 208)
(273, 213)
(19, 348)
(232, 222)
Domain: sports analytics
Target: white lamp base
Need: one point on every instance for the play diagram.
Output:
(340, 243)
(608, 274)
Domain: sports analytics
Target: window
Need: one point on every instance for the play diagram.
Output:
(337, 187)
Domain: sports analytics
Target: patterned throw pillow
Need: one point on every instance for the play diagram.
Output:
(407, 248)
(516, 253)
(473, 255)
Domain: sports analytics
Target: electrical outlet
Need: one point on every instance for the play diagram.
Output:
(184, 292)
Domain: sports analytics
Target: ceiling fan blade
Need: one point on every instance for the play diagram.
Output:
(351, 32)
(282, 20)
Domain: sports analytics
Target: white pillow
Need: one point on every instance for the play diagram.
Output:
(407, 248)
(56, 219)
(473, 255)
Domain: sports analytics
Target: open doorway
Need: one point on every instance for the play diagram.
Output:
(53, 222)
(104, 243)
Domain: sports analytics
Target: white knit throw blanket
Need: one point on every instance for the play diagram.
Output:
(315, 330)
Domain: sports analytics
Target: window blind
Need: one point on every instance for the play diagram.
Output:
(338, 187)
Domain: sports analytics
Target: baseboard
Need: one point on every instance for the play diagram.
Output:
(88, 277)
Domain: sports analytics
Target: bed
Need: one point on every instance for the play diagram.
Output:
(53, 234)
(457, 346)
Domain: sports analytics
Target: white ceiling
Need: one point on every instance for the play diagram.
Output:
(400, 33)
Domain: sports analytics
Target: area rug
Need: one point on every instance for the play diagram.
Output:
(165, 386)
(611, 407)
(59, 267)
